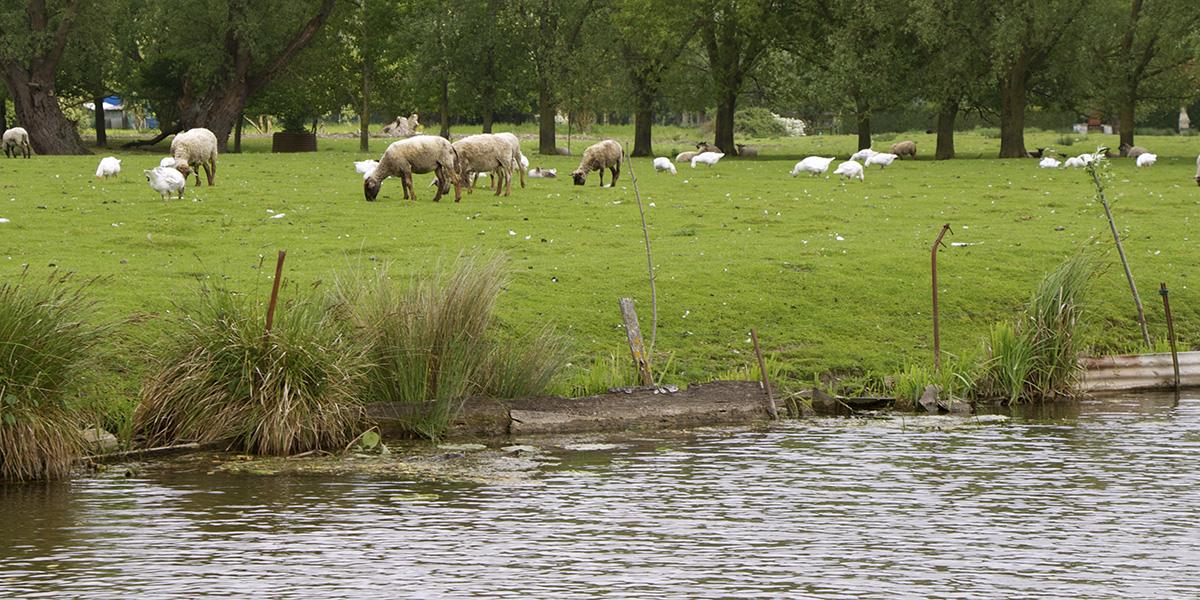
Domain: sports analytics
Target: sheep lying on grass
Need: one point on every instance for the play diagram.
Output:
(196, 147)
(420, 154)
(486, 153)
(603, 155)
(907, 147)
(745, 152)
(685, 156)
(1132, 151)
(540, 173)
(16, 139)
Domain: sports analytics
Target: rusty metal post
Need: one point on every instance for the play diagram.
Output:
(274, 299)
(937, 343)
(1170, 333)
(634, 333)
(762, 368)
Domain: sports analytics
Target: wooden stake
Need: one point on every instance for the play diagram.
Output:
(762, 368)
(634, 333)
(274, 298)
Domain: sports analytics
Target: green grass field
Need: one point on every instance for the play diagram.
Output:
(833, 275)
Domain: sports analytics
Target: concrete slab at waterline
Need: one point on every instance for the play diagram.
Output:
(1138, 372)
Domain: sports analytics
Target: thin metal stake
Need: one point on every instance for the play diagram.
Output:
(937, 342)
(1170, 333)
(762, 368)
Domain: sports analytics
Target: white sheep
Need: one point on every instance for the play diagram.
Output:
(485, 153)
(14, 140)
(540, 173)
(1049, 162)
(109, 167)
(419, 154)
(599, 156)
(663, 163)
(908, 147)
(745, 152)
(683, 157)
(166, 181)
(519, 158)
(196, 147)
(813, 165)
(1145, 160)
(707, 158)
(863, 155)
(850, 169)
(882, 159)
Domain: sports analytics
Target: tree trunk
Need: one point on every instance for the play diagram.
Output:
(864, 131)
(237, 135)
(1126, 117)
(364, 116)
(945, 130)
(546, 141)
(723, 127)
(37, 110)
(1012, 115)
(101, 130)
(642, 123)
(488, 118)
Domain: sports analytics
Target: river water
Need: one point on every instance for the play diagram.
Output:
(1095, 500)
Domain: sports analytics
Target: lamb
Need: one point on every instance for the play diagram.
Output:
(16, 139)
(1131, 151)
(166, 181)
(863, 154)
(685, 156)
(602, 155)
(540, 173)
(109, 167)
(420, 154)
(1145, 160)
(1049, 162)
(663, 163)
(742, 150)
(813, 165)
(196, 147)
(517, 156)
(485, 153)
(850, 169)
(708, 158)
(908, 147)
(882, 159)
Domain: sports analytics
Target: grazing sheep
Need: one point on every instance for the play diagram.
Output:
(196, 147)
(746, 152)
(602, 155)
(685, 156)
(16, 139)
(663, 163)
(814, 165)
(1145, 160)
(540, 173)
(485, 153)
(908, 147)
(365, 167)
(419, 154)
(166, 181)
(109, 167)
(863, 154)
(708, 158)
(850, 169)
(882, 159)
(1131, 151)
(1049, 162)
(516, 148)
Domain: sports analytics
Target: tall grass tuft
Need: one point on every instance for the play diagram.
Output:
(1038, 356)
(431, 344)
(47, 355)
(220, 379)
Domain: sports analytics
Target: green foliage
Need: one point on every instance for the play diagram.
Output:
(48, 346)
(219, 376)
(601, 375)
(757, 123)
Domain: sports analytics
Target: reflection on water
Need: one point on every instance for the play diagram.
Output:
(1095, 500)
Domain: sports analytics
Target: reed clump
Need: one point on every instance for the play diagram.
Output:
(221, 378)
(432, 340)
(48, 343)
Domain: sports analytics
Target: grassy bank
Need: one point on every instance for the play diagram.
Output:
(834, 276)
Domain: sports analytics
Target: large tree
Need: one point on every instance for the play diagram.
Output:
(35, 35)
(223, 51)
(554, 26)
(651, 34)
